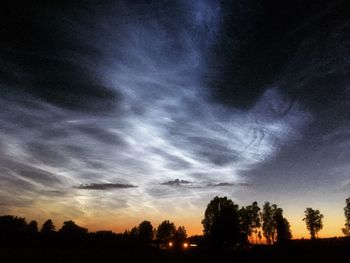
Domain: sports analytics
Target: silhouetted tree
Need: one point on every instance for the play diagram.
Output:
(48, 227)
(268, 225)
(12, 227)
(166, 230)
(221, 222)
(313, 219)
(346, 229)
(134, 232)
(145, 231)
(71, 228)
(180, 234)
(71, 234)
(282, 226)
(32, 227)
(250, 219)
(275, 227)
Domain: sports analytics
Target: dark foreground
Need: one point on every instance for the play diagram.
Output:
(323, 250)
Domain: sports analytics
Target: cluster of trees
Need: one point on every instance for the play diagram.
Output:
(164, 232)
(10, 225)
(314, 223)
(14, 227)
(225, 223)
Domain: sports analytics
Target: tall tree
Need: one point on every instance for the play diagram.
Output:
(166, 230)
(250, 219)
(313, 219)
(282, 226)
(275, 227)
(346, 229)
(180, 234)
(221, 222)
(48, 227)
(268, 225)
(145, 231)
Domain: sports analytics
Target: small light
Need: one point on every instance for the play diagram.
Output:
(170, 244)
(185, 245)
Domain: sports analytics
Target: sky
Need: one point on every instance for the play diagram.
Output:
(113, 112)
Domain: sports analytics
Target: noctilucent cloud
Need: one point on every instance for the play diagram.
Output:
(116, 112)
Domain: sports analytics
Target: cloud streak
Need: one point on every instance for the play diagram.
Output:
(105, 186)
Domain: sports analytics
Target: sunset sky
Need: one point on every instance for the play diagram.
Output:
(113, 112)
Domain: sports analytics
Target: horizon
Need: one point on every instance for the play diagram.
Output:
(116, 112)
(329, 230)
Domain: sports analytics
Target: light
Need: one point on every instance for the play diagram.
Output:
(193, 245)
(170, 244)
(185, 245)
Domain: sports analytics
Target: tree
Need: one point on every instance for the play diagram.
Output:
(250, 219)
(346, 229)
(268, 225)
(221, 222)
(180, 234)
(166, 230)
(71, 228)
(275, 227)
(12, 227)
(48, 227)
(282, 226)
(145, 231)
(32, 227)
(134, 232)
(313, 219)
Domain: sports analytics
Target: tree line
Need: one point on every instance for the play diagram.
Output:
(225, 224)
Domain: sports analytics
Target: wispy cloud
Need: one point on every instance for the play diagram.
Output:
(177, 182)
(105, 186)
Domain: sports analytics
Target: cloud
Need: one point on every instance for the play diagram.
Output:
(224, 184)
(106, 186)
(48, 62)
(177, 182)
(101, 134)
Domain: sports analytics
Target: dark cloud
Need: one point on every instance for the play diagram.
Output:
(177, 182)
(224, 184)
(42, 60)
(258, 41)
(106, 186)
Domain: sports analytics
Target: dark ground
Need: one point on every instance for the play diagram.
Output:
(323, 250)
